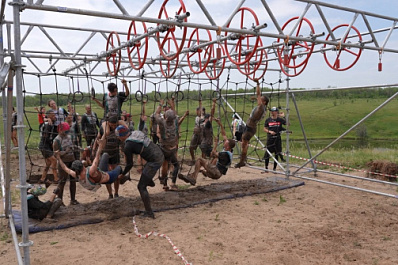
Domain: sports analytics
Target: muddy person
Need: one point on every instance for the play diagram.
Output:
(168, 134)
(63, 143)
(112, 149)
(218, 165)
(197, 132)
(137, 142)
(256, 115)
(91, 177)
(40, 210)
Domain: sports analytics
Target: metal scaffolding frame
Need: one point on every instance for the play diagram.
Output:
(280, 45)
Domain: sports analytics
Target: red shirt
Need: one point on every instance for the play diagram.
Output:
(41, 117)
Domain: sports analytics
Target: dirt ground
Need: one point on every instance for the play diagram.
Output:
(314, 223)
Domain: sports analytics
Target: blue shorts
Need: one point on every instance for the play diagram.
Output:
(113, 174)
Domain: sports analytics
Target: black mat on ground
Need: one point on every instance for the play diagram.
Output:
(99, 211)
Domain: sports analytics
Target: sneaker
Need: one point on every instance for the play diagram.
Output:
(151, 183)
(110, 197)
(124, 179)
(187, 179)
(74, 202)
(240, 164)
(173, 187)
(148, 214)
(116, 195)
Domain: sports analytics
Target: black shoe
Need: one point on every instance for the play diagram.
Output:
(74, 202)
(240, 164)
(187, 179)
(151, 183)
(124, 179)
(163, 180)
(110, 197)
(148, 214)
(116, 195)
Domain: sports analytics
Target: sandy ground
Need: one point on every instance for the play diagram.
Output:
(310, 224)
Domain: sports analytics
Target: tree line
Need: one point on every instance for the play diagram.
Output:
(35, 100)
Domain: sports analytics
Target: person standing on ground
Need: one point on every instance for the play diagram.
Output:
(137, 142)
(112, 146)
(46, 146)
(41, 116)
(90, 125)
(14, 137)
(60, 113)
(273, 126)
(64, 144)
(237, 127)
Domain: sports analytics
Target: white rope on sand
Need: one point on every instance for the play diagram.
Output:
(147, 235)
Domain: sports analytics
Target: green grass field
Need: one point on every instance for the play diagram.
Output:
(323, 118)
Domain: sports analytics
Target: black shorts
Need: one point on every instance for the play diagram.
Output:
(47, 153)
(238, 136)
(249, 133)
(206, 149)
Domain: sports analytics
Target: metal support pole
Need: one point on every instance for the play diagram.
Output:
(349, 130)
(5, 187)
(121, 7)
(303, 131)
(148, 4)
(7, 141)
(25, 244)
(276, 24)
(233, 13)
(15, 239)
(209, 17)
(287, 170)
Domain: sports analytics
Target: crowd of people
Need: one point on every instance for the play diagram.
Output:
(154, 145)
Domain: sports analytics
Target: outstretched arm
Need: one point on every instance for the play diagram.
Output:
(63, 166)
(200, 108)
(143, 110)
(126, 87)
(224, 135)
(98, 102)
(159, 108)
(101, 145)
(258, 93)
(183, 117)
(213, 109)
(172, 103)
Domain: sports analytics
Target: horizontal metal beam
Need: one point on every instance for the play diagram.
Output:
(352, 10)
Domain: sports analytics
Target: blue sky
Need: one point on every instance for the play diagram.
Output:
(316, 75)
